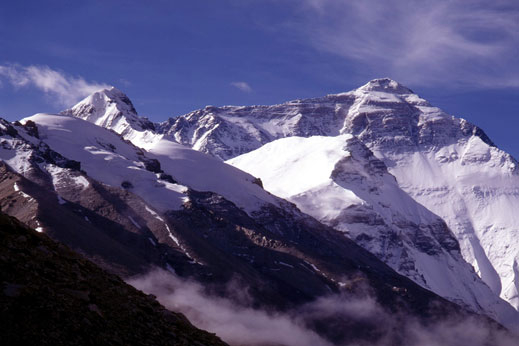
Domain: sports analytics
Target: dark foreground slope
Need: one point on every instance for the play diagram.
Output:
(52, 296)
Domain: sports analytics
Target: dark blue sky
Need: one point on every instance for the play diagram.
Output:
(172, 57)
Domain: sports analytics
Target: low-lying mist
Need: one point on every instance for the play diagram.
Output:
(240, 324)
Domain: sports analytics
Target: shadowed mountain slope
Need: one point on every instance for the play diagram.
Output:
(52, 296)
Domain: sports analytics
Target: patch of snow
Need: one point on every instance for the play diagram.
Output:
(285, 264)
(61, 200)
(313, 266)
(16, 153)
(134, 222)
(80, 180)
(170, 234)
(24, 195)
(170, 268)
(175, 239)
(149, 210)
(64, 177)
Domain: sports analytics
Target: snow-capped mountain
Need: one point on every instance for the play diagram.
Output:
(122, 191)
(354, 191)
(445, 163)
(128, 210)
(452, 168)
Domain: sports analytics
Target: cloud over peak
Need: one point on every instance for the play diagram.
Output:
(64, 89)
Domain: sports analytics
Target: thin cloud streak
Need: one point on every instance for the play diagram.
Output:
(243, 86)
(63, 89)
(457, 43)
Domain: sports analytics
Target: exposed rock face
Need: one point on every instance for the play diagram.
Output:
(52, 296)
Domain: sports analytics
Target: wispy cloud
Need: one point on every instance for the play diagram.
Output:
(62, 88)
(243, 86)
(471, 42)
(125, 82)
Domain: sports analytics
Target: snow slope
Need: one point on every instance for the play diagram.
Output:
(106, 157)
(202, 172)
(475, 188)
(339, 181)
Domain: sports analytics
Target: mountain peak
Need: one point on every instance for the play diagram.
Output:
(112, 93)
(386, 85)
(102, 99)
(110, 108)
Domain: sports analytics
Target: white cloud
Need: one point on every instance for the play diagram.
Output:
(445, 42)
(243, 86)
(236, 324)
(239, 324)
(64, 89)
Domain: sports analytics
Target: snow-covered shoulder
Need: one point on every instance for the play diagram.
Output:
(292, 165)
(205, 173)
(107, 158)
